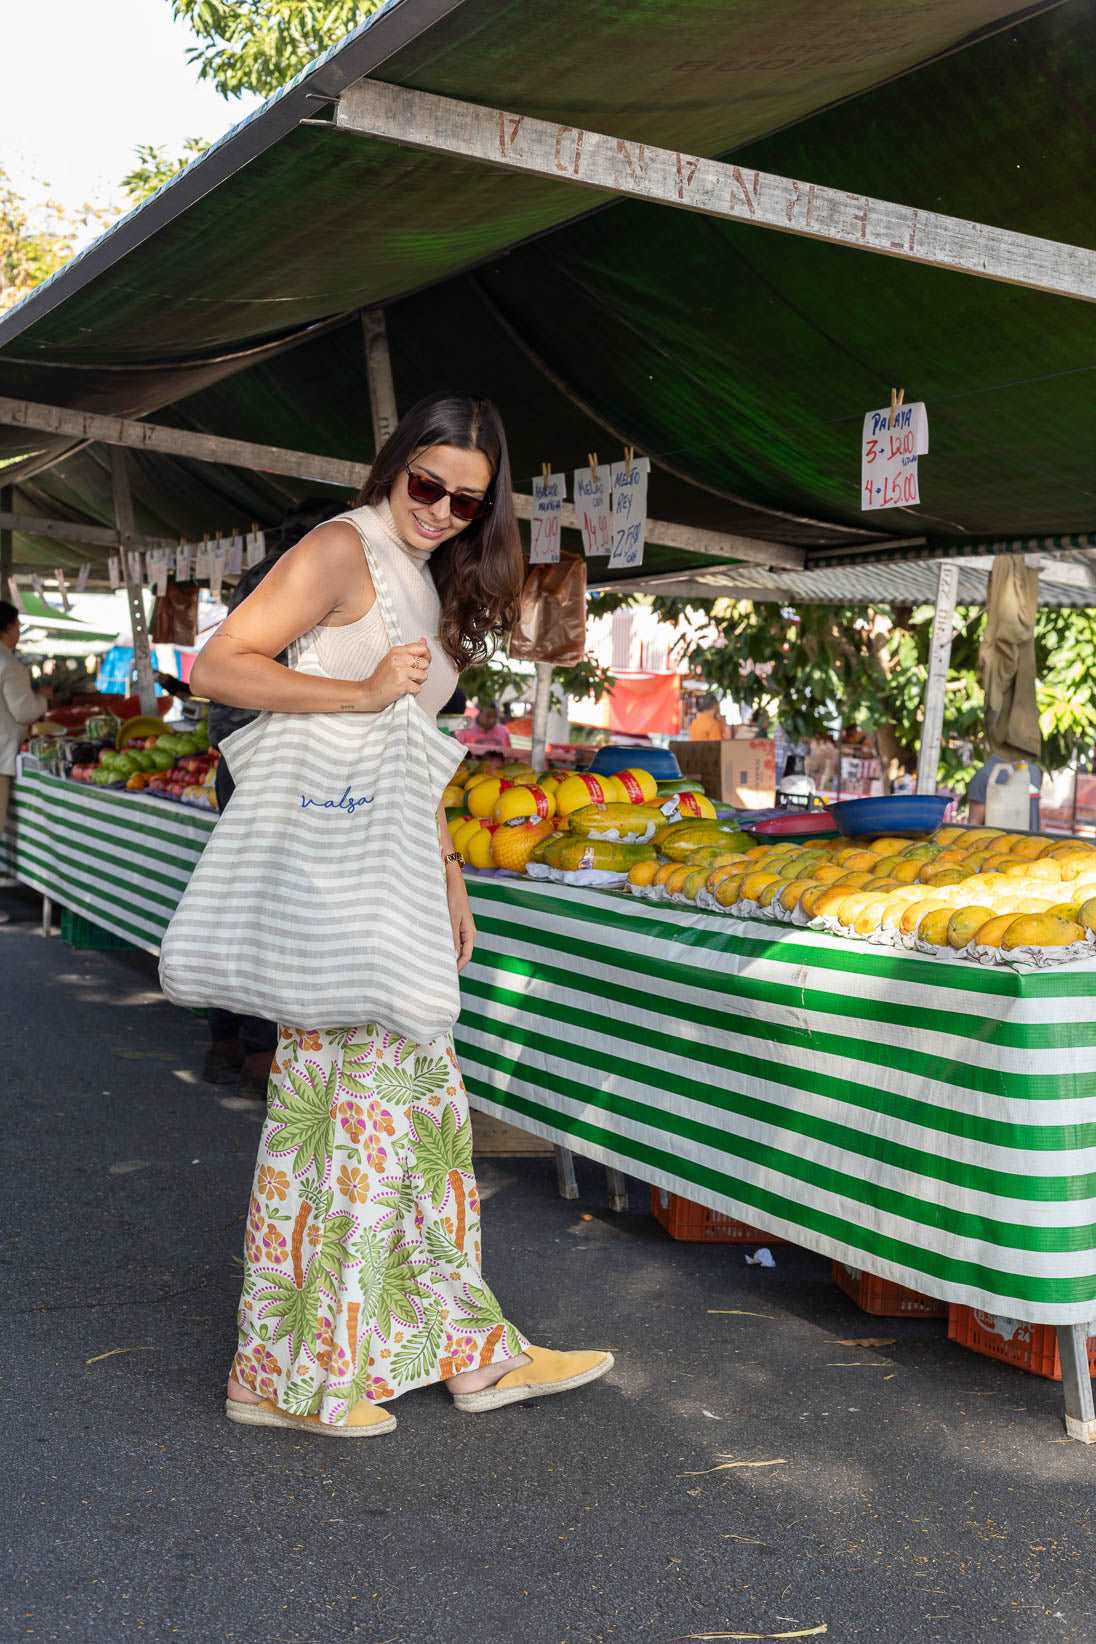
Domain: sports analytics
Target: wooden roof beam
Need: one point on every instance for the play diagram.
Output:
(350, 476)
(689, 182)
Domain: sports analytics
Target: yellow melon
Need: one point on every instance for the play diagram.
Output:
(640, 787)
(512, 846)
(521, 801)
(584, 789)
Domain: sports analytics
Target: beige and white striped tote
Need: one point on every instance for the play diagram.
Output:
(320, 900)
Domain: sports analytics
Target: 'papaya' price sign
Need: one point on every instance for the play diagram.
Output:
(629, 493)
(888, 456)
(593, 511)
(548, 495)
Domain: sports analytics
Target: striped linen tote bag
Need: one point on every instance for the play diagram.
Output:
(320, 899)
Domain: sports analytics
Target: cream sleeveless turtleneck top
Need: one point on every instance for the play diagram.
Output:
(356, 649)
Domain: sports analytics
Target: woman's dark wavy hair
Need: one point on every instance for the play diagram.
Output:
(479, 573)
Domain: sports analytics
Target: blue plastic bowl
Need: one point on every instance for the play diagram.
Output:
(661, 763)
(912, 815)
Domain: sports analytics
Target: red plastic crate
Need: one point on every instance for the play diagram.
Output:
(683, 1219)
(1030, 1347)
(884, 1298)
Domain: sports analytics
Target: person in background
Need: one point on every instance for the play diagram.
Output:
(241, 1048)
(979, 785)
(486, 735)
(709, 724)
(20, 706)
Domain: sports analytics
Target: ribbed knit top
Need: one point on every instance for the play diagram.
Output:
(356, 649)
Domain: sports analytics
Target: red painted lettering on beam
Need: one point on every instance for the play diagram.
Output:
(575, 163)
(748, 195)
(628, 152)
(509, 126)
(686, 167)
(861, 217)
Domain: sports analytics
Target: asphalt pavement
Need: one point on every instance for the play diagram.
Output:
(750, 1469)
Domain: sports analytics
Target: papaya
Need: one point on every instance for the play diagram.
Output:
(681, 839)
(620, 823)
(572, 854)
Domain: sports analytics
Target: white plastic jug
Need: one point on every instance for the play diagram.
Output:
(1008, 797)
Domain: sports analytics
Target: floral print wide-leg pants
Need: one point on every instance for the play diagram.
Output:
(362, 1252)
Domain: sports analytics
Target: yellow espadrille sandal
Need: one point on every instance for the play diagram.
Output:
(549, 1372)
(365, 1420)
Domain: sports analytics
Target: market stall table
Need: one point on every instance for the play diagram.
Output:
(922, 1118)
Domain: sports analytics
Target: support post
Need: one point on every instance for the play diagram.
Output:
(378, 364)
(565, 1173)
(617, 1184)
(932, 726)
(1077, 1381)
(47, 916)
(123, 518)
(7, 503)
(542, 702)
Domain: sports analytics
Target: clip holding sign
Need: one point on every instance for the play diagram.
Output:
(591, 459)
(897, 398)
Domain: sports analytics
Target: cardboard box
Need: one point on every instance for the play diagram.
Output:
(734, 772)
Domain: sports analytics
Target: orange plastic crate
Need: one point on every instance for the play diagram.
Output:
(884, 1298)
(683, 1219)
(1031, 1347)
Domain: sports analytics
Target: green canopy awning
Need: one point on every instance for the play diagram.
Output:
(741, 361)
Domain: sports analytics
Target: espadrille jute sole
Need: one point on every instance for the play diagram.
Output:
(493, 1398)
(265, 1415)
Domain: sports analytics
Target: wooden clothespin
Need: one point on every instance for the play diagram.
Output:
(897, 396)
(546, 471)
(591, 458)
(629, 455)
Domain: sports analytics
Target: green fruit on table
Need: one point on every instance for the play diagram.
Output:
(125, 764)
(102, 775)
(143, 758)
(107, 759)
(162, 758)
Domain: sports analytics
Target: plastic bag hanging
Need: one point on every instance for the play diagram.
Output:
(551, 625)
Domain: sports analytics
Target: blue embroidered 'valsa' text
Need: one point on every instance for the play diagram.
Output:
(347, 803)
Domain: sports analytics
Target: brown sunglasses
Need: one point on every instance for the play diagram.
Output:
(462, 506)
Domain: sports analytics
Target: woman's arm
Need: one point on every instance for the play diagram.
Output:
(460, 908)
(323, 575)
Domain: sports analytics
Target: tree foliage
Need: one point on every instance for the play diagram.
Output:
(258, 45)
(816, 667)
(153, 167)
(35, 240)
(486, 681)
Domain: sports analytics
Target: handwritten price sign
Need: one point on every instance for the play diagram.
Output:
(548, 495)
(888, 456)
(629, 493)
(593, 506)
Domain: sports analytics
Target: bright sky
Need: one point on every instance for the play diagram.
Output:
(82, 82)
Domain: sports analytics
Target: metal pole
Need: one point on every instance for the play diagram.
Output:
(7, 505)
(123, 518)
(378, 364)
(542, 702)
(928, 759)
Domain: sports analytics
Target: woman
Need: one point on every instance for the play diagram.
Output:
(362, 1267)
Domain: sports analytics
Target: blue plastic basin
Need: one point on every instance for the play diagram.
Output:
(661, 763)
(910, 814)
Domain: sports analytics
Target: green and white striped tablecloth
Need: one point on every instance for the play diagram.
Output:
(924, 1118)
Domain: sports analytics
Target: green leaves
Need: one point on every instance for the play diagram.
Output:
(439, 1149)
(443, 1250)
(421, 1351)
(153, 167)
(304, 1118)
(401, 1285)
(479, 1310)
(333, 1252)
(416, 1083)
(292, 1311)
(257, 45)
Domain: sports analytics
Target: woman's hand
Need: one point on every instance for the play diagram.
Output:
(402, 673)
(460, 914)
